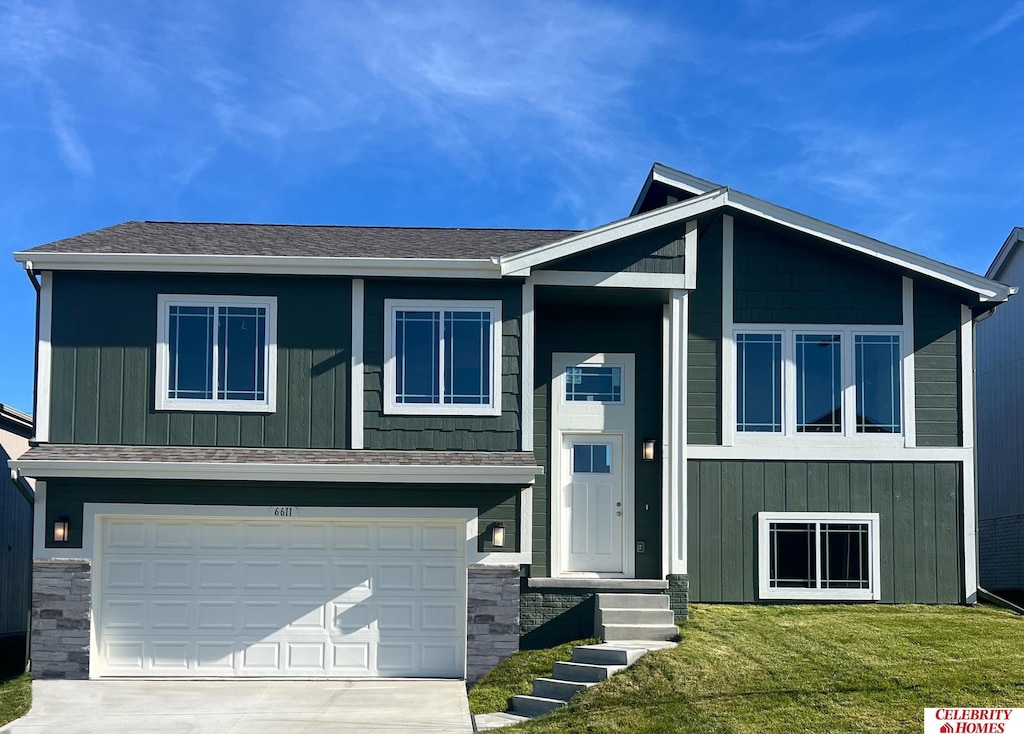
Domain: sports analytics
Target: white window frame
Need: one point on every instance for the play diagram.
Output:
(765, 591)
(849, 433)
(214, 404)
(391, 407)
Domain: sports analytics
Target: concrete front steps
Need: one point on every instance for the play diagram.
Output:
(619, 617)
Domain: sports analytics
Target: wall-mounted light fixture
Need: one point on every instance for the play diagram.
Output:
(60, 530)
(648, 449)
(498, 535)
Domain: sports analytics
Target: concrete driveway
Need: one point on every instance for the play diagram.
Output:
(245, 707)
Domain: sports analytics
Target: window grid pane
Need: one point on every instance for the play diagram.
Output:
(878, 383)
(818, 383)
(844, 553)
(792, 556)
(592, 383)
(190, 352)
(590, 458)
(417, 357)
(241, 353)
(759, 383)
(467, 368)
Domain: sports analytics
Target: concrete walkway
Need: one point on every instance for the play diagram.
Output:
(245, 707)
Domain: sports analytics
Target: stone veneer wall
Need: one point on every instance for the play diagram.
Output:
(1001, 552)
(61, 597)
(492, 633)
(679, 596)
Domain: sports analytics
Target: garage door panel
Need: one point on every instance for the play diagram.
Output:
(280, 599)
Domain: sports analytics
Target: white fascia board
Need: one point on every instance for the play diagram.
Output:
(661, 173)
(520, 263)
(987, 290)
(265, 265)
(594, 279)
(1006, 252)
(427, 474)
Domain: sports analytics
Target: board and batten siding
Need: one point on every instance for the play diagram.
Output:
(920, 507)
(937, 373)
(104, 343)
(441, 432)
(662, 250)
(65, 497)
(16, 503)
(608, 329)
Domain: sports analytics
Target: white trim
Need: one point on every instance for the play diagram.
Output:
(909, 374)
(527, 349)
(874, 593)
(39, 549)
(44, 369)
(266, 472)
(391, 406)
(356, 397)
(676, 509)
(520, 263)
(840, 449)
(690, 254)
(364, 267)
(728, 372)
(667, 445)
(613, 280)
(1006, 252)
(970, 467)
(214, 404)
(661, 173)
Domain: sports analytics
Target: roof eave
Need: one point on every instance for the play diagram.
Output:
(660, 173)
(1007, 251)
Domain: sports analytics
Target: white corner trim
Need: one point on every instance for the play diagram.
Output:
(526, 368)
(597, 279)
(690, 254)
(266, 472)
(666, 443)
(967, 374)
(391, 406)
(874, 593)
(44, 368)
(970, 484)
(676, 406)
(728, 366)
(214, 404)
(364, 267)
(909, 374)
(39, 549)
(356, 368)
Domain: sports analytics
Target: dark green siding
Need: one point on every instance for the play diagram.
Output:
(704, 342)
(454, 433)
(595, 329)
(64, 497)
(937, 366)
(661, 250)
(920, 518)
(104, 341)
(780, 280)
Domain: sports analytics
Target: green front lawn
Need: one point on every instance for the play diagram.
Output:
(15, 697)
(809, 669)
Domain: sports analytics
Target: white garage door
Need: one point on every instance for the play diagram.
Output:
(254, 598)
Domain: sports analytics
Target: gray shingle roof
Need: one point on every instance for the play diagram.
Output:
(300, 240)
(322, 457)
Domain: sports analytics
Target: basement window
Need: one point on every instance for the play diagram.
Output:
(818, 556)
(216, 353)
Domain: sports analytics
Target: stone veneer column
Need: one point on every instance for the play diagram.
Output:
(493, 618)
(679, 595)
(61, 598)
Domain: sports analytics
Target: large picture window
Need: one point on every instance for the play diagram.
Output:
(216, 353)
(828, 556)
(443, 357)
(829, 381)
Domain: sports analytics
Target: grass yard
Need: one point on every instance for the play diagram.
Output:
(809, 669)
(515, 676)
(15, 697)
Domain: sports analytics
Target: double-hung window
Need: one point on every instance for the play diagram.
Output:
(832, 381)
(825, 556)
(216, 353)
(442, 357)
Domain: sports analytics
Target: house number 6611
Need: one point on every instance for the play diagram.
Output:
(283, 512)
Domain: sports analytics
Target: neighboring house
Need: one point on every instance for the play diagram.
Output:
(1000, 376)
(319, 451)
(15, 544)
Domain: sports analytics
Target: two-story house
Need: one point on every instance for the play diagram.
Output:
(373, 451)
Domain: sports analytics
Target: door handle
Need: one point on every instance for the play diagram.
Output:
(618, 514)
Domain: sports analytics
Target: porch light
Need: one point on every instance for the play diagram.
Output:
(498, 535)
(648, 449)
(60, 530)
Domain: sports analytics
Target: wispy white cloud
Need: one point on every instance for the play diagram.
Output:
(1012, 15)
(835, 31)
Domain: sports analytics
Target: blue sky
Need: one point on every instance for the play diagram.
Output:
(901, 120)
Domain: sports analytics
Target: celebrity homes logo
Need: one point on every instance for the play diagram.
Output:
(974, 721)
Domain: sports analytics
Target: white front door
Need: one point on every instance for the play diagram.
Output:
(592, 465)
